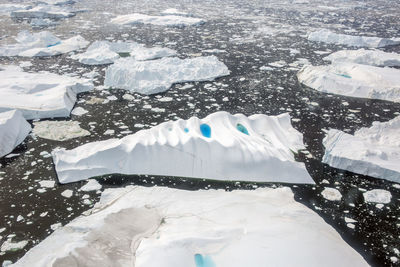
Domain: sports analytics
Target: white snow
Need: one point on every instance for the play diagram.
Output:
(331, 194)
(13, 130)
(91, 185)
(39, 95)
(155, 76)
(43, 11)
(367, 57)
(263, 227)
(329, 37)
(168, 20)
(354, 80)
(59, 130)
(373, 151)
(377, 196)
(256, 148)
(41, 44)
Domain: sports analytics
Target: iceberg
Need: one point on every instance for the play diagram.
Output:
(41, 44)
(155, 76)
(167, 20)
(263, 227)
(373, 151)
(366, 57)
(58, 130)
(13, 130)
(353, 80)
(329, 37)
(44, 12)
(220, 147)
(39, 95)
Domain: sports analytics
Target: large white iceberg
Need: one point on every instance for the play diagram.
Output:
(167, 20)
(39, 95)
(13, 130)
(373, 151)
(155, 76)
(329, 37)
(43, 11)
(221, 147)
(42, 44)
(354, 80)
(367, 57)
(105, 52)
(163, 227)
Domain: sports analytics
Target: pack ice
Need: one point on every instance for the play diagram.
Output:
(41, 44)
(155, 76)
(220, 147)
(39, 95)
(43, 11)
(264, 227)
(167, 20)
(105, 52)
(329, 37)
(366, 57)
(373, 151)
(8, 8)
(13, 130)
(354, 80)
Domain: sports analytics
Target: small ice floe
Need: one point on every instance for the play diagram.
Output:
(354, 80)
(56, 2)
(79, 111)
(373, 151)
(41, 23)
(213, 51)
(67, 193)
(47, 183)
(41, 44)
(9, 245)
(43, 12)
(6, 9)
(39, 95)
(377, 196)
(168, 20)
(58, 130)
(155, 76)
(175, 12)
(329, 37)
(13, 130)
(258, 227)
(221, 147)
(91, 185)
(331, 194)
(266, 68)
(366, 57)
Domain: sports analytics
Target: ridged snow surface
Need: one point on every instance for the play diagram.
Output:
(367, 57)
(373, 151)
(329, 37)
(155, 76)
(221, 147)
(354, 80)
(39, 95)
(205, 228)
(167, 20)
(13, 130)
(41, 44)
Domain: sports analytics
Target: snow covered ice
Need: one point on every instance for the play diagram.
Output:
(195, 228)
(59, 130)
(221, 147)
(155, 76)
(366, 57)
(13, 130)
(43, 11)
(373, 151)
(377, 196)
(39, 95)
(167, 20)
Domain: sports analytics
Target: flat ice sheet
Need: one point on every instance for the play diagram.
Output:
(366, 57)
(167, 20)
(13, 130)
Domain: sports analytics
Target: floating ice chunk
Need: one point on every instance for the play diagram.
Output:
(39, 22)
(175, 12)
(92, 185)
(331, 194)
(57, 2)
(47, 183)
(353, 80)
(79, 111)
(155, 76)
(377, 196)
(266, 68)
(367, 57)
(13, 130)
(373, 151)
(327, 36)
(212, 148)
(43, 11)
(239, 228)
(67, 193)
(8, 8)
(39, 95)
(59, 130)
(172, 21)
(8, 245)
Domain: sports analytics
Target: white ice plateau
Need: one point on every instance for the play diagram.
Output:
(366, 57)
(13, 130)
(221, 147)
(167, 20)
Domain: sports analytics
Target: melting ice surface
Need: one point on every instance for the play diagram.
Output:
(13, 130)
(212, 148)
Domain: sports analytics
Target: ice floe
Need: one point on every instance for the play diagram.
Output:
(13, 130)
(91, 185)
(39, 95)
(43, 12)
(221, 147)
(41, 44)
(155, 76)
(175, 12)
(373, 151)
(367, 57)
(377, 196)
(195, 228)
(331, 194)
(354, 80)
(8, 8)
(167, 20)
(327, 36)
(58, 130)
